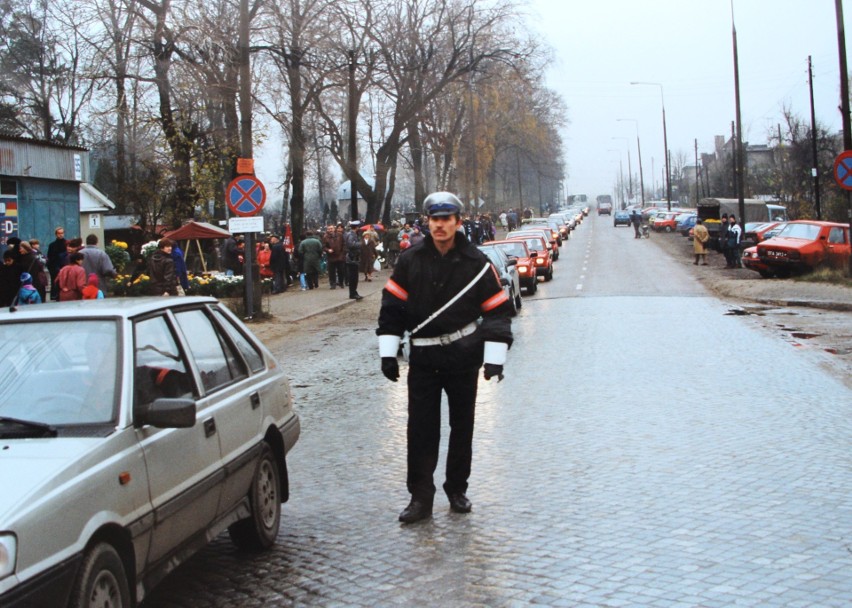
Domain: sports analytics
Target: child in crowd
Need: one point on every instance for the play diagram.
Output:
(28, 294)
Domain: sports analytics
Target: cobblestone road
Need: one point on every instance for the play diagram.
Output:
(645, 449)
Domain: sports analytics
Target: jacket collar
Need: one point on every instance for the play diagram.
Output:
(462, 245)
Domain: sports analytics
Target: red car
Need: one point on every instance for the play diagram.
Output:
(526, 267)
(539, 251)
(751, 260)
(539, 230)
(665, 221)
(803, 245)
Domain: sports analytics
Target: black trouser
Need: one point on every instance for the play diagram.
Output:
(352, 273)
(424, 429)
(336, 273)
(636, 229)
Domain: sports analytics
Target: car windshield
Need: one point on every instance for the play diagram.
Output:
(808, 232)
(515, 249)
(59, 372)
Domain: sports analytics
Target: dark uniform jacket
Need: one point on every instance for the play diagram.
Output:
(423, 281)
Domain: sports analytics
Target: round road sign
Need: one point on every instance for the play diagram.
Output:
(245, 195)
(843, 170)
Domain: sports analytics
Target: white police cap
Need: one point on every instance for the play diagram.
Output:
(442, 204)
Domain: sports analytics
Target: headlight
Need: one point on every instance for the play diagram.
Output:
(523, 269)
(8, 554)
(539, 261)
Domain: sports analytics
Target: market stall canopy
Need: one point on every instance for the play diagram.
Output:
(197, 231)
(193, 230)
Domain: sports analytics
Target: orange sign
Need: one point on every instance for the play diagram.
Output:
(245, 166)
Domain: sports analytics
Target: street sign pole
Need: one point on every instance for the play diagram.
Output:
(246, 196)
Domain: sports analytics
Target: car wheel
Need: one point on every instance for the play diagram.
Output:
(766, 274)
(518, 301)
(260, 530)
(549, 275)
(102, 582)
(513, 302)
(533, 286)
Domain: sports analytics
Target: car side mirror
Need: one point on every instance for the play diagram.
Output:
(533, 253)
(512, 261)
(504, 281)
(167, 413)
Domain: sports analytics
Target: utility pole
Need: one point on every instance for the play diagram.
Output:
(740, 152)
(246, 148)
(353, 166)
(815, 168)
(697, 182)
(844, 102)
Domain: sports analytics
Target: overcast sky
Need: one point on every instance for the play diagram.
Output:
(685, 45)
(600, 46)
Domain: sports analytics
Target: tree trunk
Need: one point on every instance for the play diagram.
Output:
(297, 142)
(415, 144)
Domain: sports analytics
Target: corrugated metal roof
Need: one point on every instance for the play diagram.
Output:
(21, 157)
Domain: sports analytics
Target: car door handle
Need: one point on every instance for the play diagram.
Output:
(255, 401)
(209, 427)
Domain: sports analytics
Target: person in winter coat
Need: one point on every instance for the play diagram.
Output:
(72, 279)
(56, 258)
(447, 350)
(310, 252)
(279, 263)
(368, 255)
(161, 270)
(700, 237)
(28, 294)
(10, 279)
(97, 261)
(264, 260)
(335, 255)
(92, 290)
(181, 271)
(353, 258)
(28, 261)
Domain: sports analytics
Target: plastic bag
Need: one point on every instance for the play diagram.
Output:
(377, 265)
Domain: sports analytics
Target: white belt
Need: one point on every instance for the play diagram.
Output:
(445, 339)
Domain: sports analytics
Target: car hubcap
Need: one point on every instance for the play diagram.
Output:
(266, 495)
(105, 593)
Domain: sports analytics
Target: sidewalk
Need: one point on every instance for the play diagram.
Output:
(295, 304)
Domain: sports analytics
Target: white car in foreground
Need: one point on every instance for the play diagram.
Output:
(132, 432)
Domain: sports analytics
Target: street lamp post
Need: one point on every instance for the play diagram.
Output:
(639, 150)
(665, 141)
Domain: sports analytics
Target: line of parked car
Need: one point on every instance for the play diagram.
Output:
(527, 253)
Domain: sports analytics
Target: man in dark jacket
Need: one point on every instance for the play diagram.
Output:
(278, 264)
(335, 256)
(56, 258)
(161, 270)
(353, 258)
(446, 350)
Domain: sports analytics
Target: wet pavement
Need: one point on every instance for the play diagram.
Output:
(645, 449)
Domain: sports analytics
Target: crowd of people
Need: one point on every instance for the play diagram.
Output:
(71, 270)
(344, 252)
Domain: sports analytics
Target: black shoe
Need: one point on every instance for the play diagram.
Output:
(356, 297)
(459, 503)
(415, 511)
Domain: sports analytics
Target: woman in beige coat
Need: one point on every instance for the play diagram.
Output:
(700, 237)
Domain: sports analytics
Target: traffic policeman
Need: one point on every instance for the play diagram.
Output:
(447, 349)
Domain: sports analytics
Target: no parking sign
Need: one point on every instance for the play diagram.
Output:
(245, 195)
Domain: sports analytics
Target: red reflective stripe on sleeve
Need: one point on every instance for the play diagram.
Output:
(394, 288)
(494, 301)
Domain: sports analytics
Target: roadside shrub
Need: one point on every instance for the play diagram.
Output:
(834, 276)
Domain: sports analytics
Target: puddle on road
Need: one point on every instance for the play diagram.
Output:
(803, 335)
